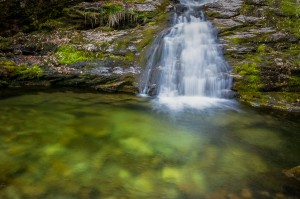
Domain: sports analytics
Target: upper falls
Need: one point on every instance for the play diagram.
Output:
(187, 61)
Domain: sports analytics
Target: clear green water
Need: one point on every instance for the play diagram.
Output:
(69, 145)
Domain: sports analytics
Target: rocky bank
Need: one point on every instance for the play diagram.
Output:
(97, 45)
(102, 45)
(261, 42)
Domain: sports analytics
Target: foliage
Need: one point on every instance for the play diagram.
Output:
(28, 15)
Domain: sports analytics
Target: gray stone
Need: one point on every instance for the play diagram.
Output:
(226, 24)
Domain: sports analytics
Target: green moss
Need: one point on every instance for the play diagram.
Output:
(68, 54)
(261, 49)
(277, 100)
(31, 72)
(290, 7)
(284, 15)
(246, 69)
(249, 72)
(130, 57)
(236, 40)
(255, 98)
(9, 69)
(257, 73)
(148, 36)
(111, 8)
(247, 9)
(290, 24)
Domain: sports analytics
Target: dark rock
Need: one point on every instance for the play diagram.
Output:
(152, 90)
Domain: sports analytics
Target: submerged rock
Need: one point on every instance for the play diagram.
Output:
(293, 172)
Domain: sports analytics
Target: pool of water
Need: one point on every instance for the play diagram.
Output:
(69, 145)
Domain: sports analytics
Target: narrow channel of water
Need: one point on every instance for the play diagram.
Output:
(70, 145)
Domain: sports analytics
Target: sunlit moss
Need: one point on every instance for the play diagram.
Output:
(68, 54)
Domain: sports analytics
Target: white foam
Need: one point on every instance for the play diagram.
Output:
(196, 2)
(180, 103)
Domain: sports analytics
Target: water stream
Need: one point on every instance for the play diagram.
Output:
(186, 66)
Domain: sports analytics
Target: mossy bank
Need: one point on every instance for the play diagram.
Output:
(94, 44)
(261, 42)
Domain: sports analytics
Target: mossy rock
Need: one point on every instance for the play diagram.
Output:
(263, 51)
(9, 69)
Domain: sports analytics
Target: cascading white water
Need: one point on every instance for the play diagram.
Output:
(187, 66)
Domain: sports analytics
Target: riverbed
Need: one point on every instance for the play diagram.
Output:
(72, 144)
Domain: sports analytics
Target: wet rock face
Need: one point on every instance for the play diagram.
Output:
(261, 41)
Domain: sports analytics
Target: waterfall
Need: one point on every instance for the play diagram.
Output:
(186, 64)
